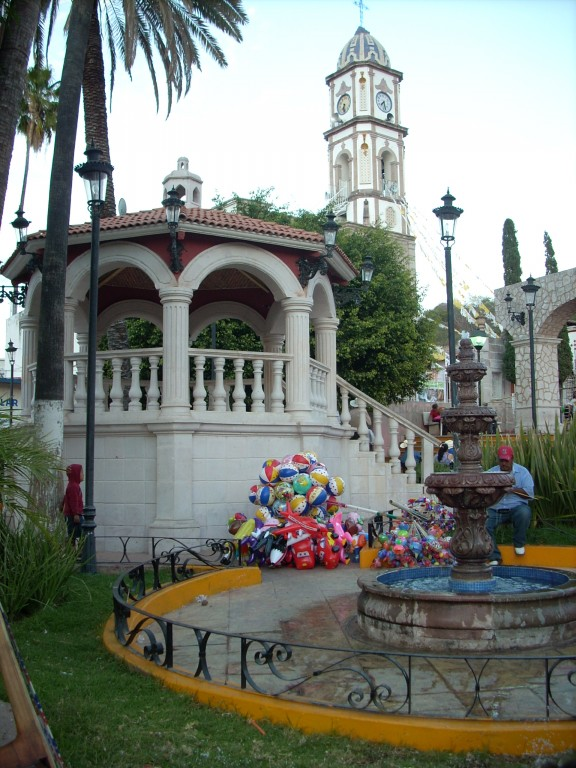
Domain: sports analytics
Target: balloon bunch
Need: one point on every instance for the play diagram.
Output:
(298, 518)
(419, 538)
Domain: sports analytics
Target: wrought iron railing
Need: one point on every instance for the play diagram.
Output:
(504, 687)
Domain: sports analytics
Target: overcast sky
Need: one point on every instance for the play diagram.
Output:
(488, 97)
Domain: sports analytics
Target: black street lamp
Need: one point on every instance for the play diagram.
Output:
(95, 173)
(11, 352)
(478, 340)
(307, 268)
(530, 291)
(449, 215)
(173, 204)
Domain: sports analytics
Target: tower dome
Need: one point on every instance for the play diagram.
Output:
(363, 47)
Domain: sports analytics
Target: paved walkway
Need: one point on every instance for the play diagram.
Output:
(318, 607)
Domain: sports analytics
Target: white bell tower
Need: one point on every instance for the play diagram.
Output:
(366, 140)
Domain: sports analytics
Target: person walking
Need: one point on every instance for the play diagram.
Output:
(73, 502)
(513, 506)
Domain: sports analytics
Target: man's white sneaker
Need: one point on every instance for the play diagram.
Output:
(520, 550)
(495, 562)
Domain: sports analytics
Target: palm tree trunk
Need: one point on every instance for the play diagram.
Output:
(49, 399)
(95, 112)
(22, 22)
(25, 178)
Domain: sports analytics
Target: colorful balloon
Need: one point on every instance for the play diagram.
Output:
(302, 483)
(336, 486)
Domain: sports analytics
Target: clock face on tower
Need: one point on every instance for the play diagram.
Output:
(343, 104)
(383, 101)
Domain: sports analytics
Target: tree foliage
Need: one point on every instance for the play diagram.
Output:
(385, 342)
(509, 359)
(510, 254)
(550, 261)
(565, 361)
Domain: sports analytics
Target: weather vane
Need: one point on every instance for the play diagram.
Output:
(363, 7)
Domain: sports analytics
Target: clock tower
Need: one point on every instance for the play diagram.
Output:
(366, 140)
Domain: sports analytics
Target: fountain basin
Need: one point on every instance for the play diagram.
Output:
(415, 609)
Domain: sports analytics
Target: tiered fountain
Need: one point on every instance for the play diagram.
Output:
(471, 606)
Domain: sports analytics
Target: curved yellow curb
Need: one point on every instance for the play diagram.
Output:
(425, 734)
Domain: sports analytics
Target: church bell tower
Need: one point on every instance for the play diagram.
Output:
(366, 140)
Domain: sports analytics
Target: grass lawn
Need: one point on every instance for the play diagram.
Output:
(104, 715)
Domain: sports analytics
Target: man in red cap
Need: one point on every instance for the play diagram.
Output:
(513, 506)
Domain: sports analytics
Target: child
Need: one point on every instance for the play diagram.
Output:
(73, 503)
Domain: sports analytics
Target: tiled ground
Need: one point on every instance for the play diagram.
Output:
(319, 608)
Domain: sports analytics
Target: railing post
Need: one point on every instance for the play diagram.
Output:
(257, 390)
(219, 391)
(153, 394)
(199, 391)
(135, 392)
(116, 392)
(239, 393)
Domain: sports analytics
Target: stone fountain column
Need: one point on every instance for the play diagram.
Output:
(469, 490)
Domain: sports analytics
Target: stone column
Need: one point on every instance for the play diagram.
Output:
(29, 339)
(297, 311)
(325, 328)
(70, 307)
(547, 392)
(176, 369)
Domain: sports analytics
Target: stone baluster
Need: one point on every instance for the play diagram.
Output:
(345, 413)
(239, 393)
(378, 446)
(394, 449)
(80, 394)
(153, 395)
(199, 391)
(363, 434)
(257, 390)
(277, 395)
(99, 393)
(410, 462)
(219, 390)
(135, 391)
(116, 391)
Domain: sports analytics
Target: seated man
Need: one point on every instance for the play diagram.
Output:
(513, 506)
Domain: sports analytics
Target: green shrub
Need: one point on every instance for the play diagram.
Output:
(36, 563)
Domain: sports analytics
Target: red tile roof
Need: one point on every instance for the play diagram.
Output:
(203, 217)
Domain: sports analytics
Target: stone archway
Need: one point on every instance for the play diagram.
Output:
(555, 305)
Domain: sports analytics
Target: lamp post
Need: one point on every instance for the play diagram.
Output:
(307, 269)
(11, 352)
(478, 340)
(172, 205)
(530, 291)
(449, 215)
(95, 173)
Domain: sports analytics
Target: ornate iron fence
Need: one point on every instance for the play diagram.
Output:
(501, 687)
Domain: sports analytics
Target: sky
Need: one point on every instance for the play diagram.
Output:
(488, 97)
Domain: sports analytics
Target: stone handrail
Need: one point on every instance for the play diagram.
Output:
(386, 422)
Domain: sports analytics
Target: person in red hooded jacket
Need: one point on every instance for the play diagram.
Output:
(73, 503)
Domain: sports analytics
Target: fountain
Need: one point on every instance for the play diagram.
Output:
(471, 606)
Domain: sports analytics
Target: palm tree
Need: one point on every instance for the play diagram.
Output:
(48, 404)
(19, 23)
(38, 117)
(173, 29)
(172, 26)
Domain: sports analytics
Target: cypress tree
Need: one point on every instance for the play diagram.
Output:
(510, 254)
(565, 362)
(550, 263)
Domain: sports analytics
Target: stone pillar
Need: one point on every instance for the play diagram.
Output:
(297, 311)
(325, 329)
(29, 339)
(70, 307)
(547, 392)
(176, 369)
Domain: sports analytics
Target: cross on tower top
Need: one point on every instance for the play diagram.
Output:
(362, 6)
